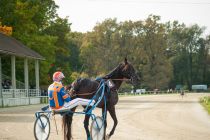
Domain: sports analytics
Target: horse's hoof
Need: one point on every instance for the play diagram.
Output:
(107, 137)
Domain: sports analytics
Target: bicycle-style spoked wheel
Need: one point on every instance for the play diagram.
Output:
(42, 128)
(97, 129)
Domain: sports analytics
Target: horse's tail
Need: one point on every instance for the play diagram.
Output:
(67, 121)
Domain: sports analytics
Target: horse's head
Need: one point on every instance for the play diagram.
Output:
(71, 88)
(127, 71)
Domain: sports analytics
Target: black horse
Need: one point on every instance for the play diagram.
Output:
(86, 88)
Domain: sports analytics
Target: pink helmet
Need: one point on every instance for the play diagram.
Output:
(58, 76)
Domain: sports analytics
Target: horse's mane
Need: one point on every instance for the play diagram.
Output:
(113, 72)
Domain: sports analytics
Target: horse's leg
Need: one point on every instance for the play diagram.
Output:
(105, 121)
(86, 125)
(67, 121)
(112, 113)
(64, 125)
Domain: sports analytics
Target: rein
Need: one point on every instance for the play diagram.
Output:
(121, 79)
(90, 93)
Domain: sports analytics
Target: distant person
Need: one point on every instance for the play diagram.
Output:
(182, 93)
(6, 84)
(156, 91)
(43, 92)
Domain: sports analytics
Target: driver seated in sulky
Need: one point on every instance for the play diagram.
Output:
(59, 99)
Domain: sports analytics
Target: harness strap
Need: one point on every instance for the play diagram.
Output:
(90, 93)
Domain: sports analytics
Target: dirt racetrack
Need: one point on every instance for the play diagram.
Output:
(152, 117)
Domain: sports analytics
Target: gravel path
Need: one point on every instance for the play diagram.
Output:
(152, 117)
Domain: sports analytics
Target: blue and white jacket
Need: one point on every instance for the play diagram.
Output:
(57, 95)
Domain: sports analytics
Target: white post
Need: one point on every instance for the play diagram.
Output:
(26, 75)
(37, 75)
(13, 75)
(1, 94)
(13, 72)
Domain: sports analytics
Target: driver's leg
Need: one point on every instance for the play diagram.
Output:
(78, 101)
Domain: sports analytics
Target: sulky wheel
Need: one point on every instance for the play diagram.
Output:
(97, 129)
(42, 127)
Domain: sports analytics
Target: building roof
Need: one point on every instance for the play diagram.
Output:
(11, 46)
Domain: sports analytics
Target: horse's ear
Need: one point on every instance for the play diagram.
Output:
(126, 61)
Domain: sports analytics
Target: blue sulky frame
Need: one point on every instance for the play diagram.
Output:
(47, 114)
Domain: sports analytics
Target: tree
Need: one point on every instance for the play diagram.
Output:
(74, 45)
(157, 71)
(98, 48)
(186, 42)
(60, 28)
(36, 25)
(143, 44)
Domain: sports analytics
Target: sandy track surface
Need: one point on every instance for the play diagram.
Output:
(152, 117)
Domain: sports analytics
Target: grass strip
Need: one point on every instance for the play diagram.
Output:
(205, 101)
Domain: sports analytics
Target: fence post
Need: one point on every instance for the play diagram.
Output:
(13, 93)
(1, 94)
(29, 94)
(37, 74)
(26, 75)
(13, 72)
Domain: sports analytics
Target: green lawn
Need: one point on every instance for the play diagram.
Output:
(205, 101)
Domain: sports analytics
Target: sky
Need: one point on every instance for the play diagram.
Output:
(84, 14)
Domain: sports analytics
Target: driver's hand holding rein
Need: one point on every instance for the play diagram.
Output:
(59, 99)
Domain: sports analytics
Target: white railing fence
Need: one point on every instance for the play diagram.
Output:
(153, 92)
(16, 97)
(18, 93)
